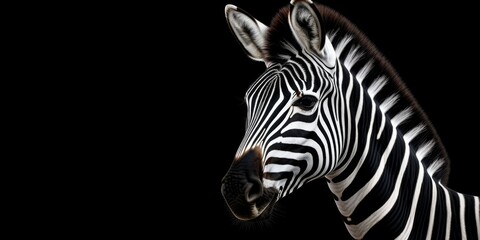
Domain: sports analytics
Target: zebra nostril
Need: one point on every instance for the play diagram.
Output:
(253, 190)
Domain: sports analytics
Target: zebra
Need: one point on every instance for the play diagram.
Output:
(330, 105)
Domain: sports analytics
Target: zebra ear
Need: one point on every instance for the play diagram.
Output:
(307, 26)
(249, 31)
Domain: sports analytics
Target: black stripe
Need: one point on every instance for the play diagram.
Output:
(422, 210)
(470, 223)
(397, 218)
(455, 223)
(299, 149)
(362, 128)
(439, 226)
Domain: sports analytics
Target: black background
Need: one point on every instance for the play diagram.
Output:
(188, 79)
(428, 45)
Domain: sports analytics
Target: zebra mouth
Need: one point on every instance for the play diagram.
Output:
(243, 189)
(259, 209)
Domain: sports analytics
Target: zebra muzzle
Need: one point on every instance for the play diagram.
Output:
(243, 190)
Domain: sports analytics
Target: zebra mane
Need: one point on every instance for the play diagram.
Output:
(361, 56)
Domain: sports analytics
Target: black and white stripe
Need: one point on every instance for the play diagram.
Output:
(382, 158)
(384, 181)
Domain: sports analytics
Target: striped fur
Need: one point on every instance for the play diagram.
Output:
(366, 135)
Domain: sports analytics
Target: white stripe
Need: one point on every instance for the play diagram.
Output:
(352, 57)
(347, 130)
(332, 35)
(253, 135)
(364, 71)
(433, 205)
(347, 181)
(401, 117)
(424, 150)
(326, 141)
(292, 73)
(287, 109)
(477, 215)
(411, 218)
(311, 68)
(435, 166)
(376, 86)
(336, 128)
(382, 125)
(384, 107)
(350, 128)
(268, 73)
(410, 135)
(389, 103)
(358, 231)
(448, 210)
(343, 131)
(462, 216)
(342, 44)
(301, 156)
(351, 204)
(330, 141)
(278, 168)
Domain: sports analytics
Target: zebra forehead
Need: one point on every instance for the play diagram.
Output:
(289, 78)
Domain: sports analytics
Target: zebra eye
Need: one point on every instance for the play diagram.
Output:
(306, 102)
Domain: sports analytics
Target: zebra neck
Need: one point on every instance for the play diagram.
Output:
(376, 156)
(382, 189)
(388, 180)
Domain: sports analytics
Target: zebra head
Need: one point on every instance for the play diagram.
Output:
(293, 132)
